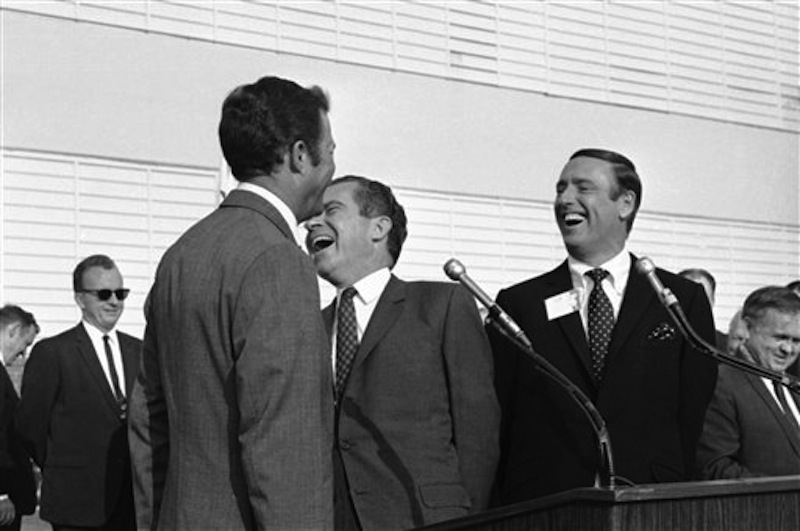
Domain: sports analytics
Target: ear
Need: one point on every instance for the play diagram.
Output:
(627, 204)
(299, 157)
(14, 329)
(381, 226)
(78, 299)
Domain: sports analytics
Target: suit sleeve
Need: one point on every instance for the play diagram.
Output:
(474, 408)
(698, 376)
(148, 432)
(720, 443)
(40, 383)
(7, 462)
(504, 356)
(284, 390)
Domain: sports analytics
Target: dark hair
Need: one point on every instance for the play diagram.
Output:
(794, 286)
(776, 298)
(10, 314)
(376, 199)
(95, 260)
(262, 121)
(624, 171)
(697, 272)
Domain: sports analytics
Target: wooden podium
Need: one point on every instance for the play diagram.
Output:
(758, 504)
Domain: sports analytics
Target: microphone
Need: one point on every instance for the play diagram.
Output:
(456, 271)
(645, 267)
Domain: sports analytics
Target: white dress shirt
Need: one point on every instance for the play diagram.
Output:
(613, 285)
(96, 336)
(789, 400)
(369, 290)
(282, 208)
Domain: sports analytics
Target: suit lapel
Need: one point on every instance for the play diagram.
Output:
(7, 389)
(129, 358)
(327, 317)
(389, 307)
(570, 324)
(772, 405)
(635, 302)
(87, 353)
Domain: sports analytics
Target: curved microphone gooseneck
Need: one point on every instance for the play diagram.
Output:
(455, 270)
(646, 267)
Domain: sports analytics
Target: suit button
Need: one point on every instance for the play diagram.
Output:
(345, 444)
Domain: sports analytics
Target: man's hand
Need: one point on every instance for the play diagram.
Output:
(7, 511)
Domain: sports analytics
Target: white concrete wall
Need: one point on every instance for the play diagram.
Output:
(76, 87)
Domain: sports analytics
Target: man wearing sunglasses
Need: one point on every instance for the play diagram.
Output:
(74, 408)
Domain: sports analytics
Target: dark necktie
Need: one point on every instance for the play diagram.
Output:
(346, 337)
(113, 370)
(601, 322)
(785, 406)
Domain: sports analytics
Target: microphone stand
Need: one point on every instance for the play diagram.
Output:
(670, 302)
(700, 344)
(607, 475)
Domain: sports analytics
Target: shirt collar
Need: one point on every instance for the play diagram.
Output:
(619, 269)
(95, 334)
(283, 209)
(371, 286)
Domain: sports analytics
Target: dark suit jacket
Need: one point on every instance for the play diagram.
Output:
(417, 424)
(71, 425)
(653, 394)
(16, 473)
(745, 432)
(232, 415)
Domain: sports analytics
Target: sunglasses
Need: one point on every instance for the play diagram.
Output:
(105, 294)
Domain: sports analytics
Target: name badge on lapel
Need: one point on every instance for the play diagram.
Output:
(562, 304)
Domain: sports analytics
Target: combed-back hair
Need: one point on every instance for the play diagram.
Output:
(376, 199)
(261, 122)
(778, 298)
(624, 171)
(698, 272)
(95, 260)
(11, 313)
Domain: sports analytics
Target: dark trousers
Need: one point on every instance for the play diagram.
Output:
(123, 518)
(344, 512)
(13, 526)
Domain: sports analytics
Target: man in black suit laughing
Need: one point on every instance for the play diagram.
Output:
(602, 326)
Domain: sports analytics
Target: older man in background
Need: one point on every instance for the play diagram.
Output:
(72, 414)
(18, 329)
(752, 426)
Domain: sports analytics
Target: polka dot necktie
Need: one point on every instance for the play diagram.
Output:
(346, 337)
(601, 322)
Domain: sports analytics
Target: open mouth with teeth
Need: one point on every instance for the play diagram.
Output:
(321, 242)
(572, 219)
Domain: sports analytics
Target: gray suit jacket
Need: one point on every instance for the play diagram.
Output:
(231, 416)
(418, 421)
(745, 432)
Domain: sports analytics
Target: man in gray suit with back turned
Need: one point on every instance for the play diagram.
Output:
(231, 415)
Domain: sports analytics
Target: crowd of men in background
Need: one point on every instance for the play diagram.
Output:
(395, 406)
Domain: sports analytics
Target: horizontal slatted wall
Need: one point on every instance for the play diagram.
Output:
(504, 241)
(730, 61)
(57, 210)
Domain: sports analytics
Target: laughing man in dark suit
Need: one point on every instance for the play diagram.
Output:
(416, 415)
(73, 409)
(750, 429)
(617, 345)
